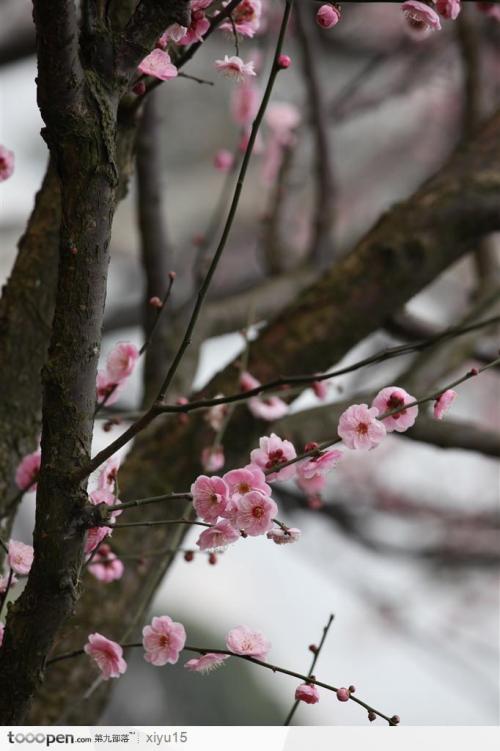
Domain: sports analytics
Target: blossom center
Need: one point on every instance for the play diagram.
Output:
(164, 641)
(244, 487)
(258, 512)
(395, 401)
(362, 428)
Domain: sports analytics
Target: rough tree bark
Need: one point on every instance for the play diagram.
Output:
(405, 251)
(79, 107)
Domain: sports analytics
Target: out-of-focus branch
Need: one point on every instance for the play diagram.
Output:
(320, 249)
(155, 245)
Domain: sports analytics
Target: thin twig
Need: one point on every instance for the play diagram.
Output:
(313, 665)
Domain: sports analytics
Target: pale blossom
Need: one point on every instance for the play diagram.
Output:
(216, 415)
(175, 32)
(448, 8)
(242, 640)
(327, 16)
(313, 485)
(223, 160)
(107, 389)
(234, 67)
(282, 537)
(107, 654)
(308, 693)
(219, 536)
(241, 481)
(28, 470)
(158, 65)
(246, 17)
(163, 640)
(6, 163)
(20, 557)
(206, 663)
(95, 535)
(421, 18)
(212, 459)
(108, 474)
(121, 361)
(443, 403)
(282, 118)
(391, 398)
(210, 497)
(105, 565)
(245, 100)
(272, 452)
(359, 428)
(255, 513)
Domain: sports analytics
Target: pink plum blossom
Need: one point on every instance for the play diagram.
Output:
(95, 536)
(241, 481)
(264, 407)
(163, 640)
(219, 536)
(107, 389)
(6, 163)
(242, 640)
(255, 513)
(273, 451)
(199, 23)
(391, 398)
(234, 67)
(108, 474)
(212, 459)
(448, 8)
(421, 17)
(246, 17)
(280, 537)
(313, 485)
(312, 466)
(121, 361)
(359, 428)
(245, 100)
(105, 565)
(443, 403)
(327, 16)
(104, 496)
(223, 160)
(20, 557)
(308, 693)
(210, 497)
(107, 654)
(206, 663)
(158, 65)
(28, 470)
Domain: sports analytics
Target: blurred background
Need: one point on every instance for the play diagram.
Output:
(405, 548)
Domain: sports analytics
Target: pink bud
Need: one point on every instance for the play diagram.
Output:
(372, 716)
(328, 16)
(343, 694)
(284, 61)
(155, 302)
(188, 556)
(212, 559)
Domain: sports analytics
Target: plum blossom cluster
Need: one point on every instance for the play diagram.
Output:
(164, 639)
(120, 364)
